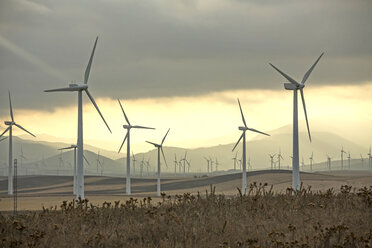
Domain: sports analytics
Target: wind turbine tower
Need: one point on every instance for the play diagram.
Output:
(134, 163)
(234, 158)
(342, 157)
(348, 159)
(244, 129)
(160, 148)
(127, 137)
(10, 125)
(80, 88)
(295, 86)
(175, 164)
(279, 158)
(311, 161)
(207, 164)
(369, 158)
(272, 164)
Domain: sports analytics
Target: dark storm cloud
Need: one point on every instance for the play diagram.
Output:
(172, 48)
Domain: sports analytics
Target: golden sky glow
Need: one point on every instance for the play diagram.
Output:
(207, 120)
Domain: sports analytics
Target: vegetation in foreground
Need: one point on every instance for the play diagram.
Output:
(259, 219)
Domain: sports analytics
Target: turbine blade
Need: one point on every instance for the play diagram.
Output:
(66, 148)
(86, 159)
(241, 136)
(162, 152)
(291, 80)
(10, 107)
(62, 89)
(95, 105)
(241, 111)
(87, 71)
(125, 116)
(303, 103)
(165, 136)
(307, 74)
(156, 145)
(6, 130)
(19, 126)
(255, 130)
(126, 136)
(142, 127)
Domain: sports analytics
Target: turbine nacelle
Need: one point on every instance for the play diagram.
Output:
(127, 126)
(8, 123)
(291, 86)
(78, 86)
(242, 128)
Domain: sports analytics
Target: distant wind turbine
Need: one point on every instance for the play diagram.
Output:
(369, 158)
(22, 157)
(329, 162)
(279, 158)
(175, 164)
(217, 165)
(99, 163)
(295, 86)
(234, 158)
(244, 129)
(311, 161)
(127, 137)
(134, 163)
(80, 146)
(272, 160)
(75, 187)
(10, 125)
(348, 159)
(160, 148)
(207, 164)
(342, 157)
(362, 159)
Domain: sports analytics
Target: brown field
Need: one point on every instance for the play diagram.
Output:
(35, 192)
(330, 214)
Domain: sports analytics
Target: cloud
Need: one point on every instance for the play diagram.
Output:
(157, 48)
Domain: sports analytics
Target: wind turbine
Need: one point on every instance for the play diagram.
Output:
(184, 164)
(342, 157)
(348, 159)
(311, 161)
(134, 163)
(127, 137)
(75, 187)
(249, 164)
(211, 163)
(80, 146)
(188, 165)
(362, 159)
(160, 148)
(295, 86)
(21, 158)
(148, 166)
(244, 129)
(175, 164)
(60, 162)
(207, 164)
(99, 164)
(10, 125)
(271, 160)
(329, 162)
(217, 165)
(369, 158)
(279, 158)
(302, 163)
(234, 158)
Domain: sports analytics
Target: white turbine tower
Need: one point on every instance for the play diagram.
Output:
(244, 129)
(279, 158)
(160, 148)
(207, 164)
(75, 169)
(311, 161)
(127, 137)
(234, 158)
(272, 163)
(295, 86)
(10, 129)
(80, 88)
(342, 157)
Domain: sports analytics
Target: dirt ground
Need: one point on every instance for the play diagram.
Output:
(35, 192)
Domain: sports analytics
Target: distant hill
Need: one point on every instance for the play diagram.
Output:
(43, 156)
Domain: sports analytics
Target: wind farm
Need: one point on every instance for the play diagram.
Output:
(195, 74)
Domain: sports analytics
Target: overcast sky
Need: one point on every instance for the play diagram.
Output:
(155, 48)
(182, 64)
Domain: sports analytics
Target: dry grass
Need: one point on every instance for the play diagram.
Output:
(260, 219)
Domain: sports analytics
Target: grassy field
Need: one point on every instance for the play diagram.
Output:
(262, 218)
